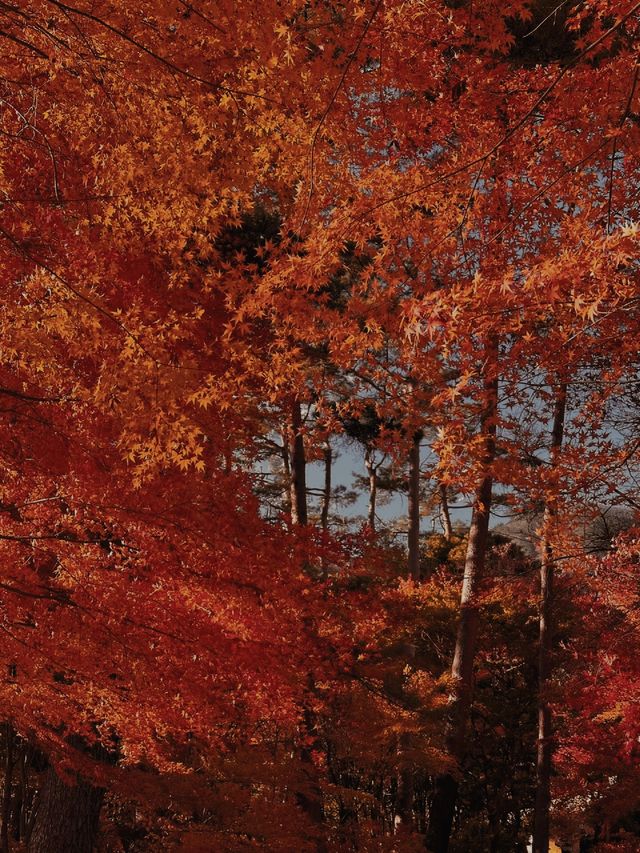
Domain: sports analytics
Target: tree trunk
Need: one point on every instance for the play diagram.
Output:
(443, 801)
(326, 502)
(67, 818)
(372, 471)
(326, 494)
(413, 567)
(545, 744)
(309, 795)
(8, 784)
(310, 801)
(405, 795)
(27, 795)
(298, 468)
(286, 467)
(405, 792)
(445, 518)
(441, 809)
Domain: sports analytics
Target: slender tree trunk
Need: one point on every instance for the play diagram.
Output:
(405, 791)
(445, 518)
(286, 467)
(326, 501)
(443, 800)
(413, 567)
(545, 648)
(309, 799)
(309, 795)
(405, 795)
(298, 468)
(8, 784)
(372, 471)
(67, 818)
(326, 494)
(23, 807)
(26, 805)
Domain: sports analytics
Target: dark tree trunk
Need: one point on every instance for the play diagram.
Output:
(309, 795)
(545, 730)
(413, 567)
(443, 801)
(445, 518)
(24, 806)
(405, 795)
(67, 818)
(8, 785)
(298, 468)
(441, 811)
(310, 801)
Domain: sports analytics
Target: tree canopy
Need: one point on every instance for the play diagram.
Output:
(235, 236)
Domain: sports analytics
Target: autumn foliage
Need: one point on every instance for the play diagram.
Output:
(236, 239)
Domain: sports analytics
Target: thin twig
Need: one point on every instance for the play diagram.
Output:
(544, 20)
(614, 149)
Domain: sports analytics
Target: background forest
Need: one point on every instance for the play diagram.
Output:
(238, 239)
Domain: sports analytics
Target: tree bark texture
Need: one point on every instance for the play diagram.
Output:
(298, 468)
(67, 818)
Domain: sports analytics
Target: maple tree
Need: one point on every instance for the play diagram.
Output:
(401, 221)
